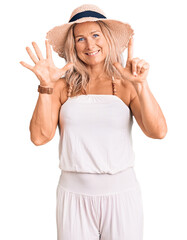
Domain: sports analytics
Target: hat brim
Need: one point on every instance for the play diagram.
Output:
(57, 35)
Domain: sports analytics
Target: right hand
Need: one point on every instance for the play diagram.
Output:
(44, 69)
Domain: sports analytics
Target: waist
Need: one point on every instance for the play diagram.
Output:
(96, 184)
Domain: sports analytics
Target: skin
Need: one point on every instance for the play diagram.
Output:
(132, 87)
(89, 38)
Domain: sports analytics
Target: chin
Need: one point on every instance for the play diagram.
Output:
(94, 62)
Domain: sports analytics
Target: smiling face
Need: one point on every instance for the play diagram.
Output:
(90, 43)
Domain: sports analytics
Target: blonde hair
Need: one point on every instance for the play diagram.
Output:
(77, 77)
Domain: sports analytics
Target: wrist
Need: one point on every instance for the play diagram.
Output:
(48, 90)
(139, 86)
(47, 84)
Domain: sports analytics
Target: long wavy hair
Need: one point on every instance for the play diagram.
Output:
(77, 77)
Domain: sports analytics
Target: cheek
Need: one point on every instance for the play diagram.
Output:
(80, 51)
(103, 44)
(78, 47)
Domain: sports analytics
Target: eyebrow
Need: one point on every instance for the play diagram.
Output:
(90, 33)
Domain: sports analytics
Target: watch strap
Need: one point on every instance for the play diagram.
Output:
(45, 90)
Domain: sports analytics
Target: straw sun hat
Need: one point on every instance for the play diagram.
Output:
(88, 12)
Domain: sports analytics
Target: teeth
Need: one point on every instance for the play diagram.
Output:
(93, 53)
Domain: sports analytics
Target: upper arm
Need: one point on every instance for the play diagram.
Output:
(136, 110)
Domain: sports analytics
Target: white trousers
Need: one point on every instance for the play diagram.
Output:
(99, 206)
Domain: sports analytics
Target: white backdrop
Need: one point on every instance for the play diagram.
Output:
(29, 174)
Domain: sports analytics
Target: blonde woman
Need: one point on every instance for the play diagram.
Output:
(92, 100)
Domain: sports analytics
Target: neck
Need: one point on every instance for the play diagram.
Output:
(97, 73)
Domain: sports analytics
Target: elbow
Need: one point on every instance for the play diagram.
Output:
(163, 130)
(158, 135)
(38, 138)
(39, 142)
(163, 133)
(35, 142)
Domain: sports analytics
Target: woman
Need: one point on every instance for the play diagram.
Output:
(98, 195)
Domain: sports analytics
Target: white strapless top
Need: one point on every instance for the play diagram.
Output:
(95, 134)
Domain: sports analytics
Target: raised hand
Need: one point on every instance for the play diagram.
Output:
(136, 70)
(44, 69)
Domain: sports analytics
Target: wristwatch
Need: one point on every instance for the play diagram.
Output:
(45, 90)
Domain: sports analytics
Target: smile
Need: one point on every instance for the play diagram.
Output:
(93, 53)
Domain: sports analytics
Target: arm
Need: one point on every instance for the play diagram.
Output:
(147, 111)
(45, 116)
(143, 104)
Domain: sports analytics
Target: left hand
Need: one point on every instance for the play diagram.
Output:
(133, 65)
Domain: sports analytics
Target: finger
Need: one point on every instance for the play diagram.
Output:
(48, 50)
(139, 66)
(32, 56)
(144, 68)
(26, 65)
(134, 66)
(130, 49)
(66, 68)
(37, 50)
(119, 67)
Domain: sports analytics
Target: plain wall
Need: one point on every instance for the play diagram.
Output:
(29, 174)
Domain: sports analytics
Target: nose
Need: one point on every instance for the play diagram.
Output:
(90, 44)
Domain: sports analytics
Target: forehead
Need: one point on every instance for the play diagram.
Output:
(86, 27)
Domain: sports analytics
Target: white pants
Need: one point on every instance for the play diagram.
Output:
(99, 206)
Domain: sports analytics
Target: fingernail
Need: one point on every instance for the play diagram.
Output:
(134, 73)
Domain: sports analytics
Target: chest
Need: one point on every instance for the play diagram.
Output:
(123, 90)
(95, 111)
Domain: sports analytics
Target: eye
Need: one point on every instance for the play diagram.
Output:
(96, 34)
(79, 39)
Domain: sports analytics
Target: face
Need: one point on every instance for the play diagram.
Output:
(90, 43)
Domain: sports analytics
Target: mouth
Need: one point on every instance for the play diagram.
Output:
(93, 53)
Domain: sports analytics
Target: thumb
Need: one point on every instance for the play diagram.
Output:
(119, 67)
(67, 67)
